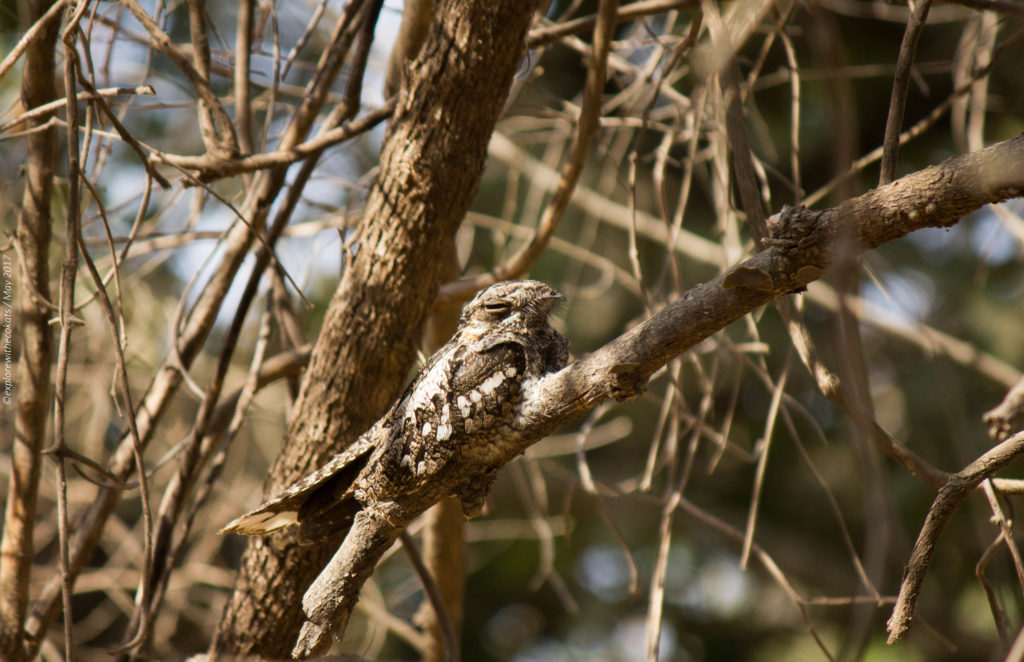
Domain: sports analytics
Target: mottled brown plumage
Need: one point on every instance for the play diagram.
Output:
(465, 404)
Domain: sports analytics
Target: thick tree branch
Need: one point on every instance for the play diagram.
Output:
(697, 249)
(801, 246)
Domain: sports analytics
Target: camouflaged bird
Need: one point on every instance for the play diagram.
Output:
(465, 408)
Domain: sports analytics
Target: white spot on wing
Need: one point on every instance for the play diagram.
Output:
(491, 383)
(433, 383)
(529, 405)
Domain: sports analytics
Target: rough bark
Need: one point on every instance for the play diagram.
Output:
(33, 378)
(430, 168)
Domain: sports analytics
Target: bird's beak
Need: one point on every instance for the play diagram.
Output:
(550, 300)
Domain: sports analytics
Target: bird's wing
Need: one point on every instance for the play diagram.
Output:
(323, 503)
(430, 423)
(310, 496)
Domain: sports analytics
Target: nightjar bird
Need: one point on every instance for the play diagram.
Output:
(451, 431)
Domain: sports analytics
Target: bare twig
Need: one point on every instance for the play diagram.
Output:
(451, 644)
(215, 127)
(1008, 415)
(210, 169)
(224, 142)
(122, 131)
(764, 444)
(547, 34)
(900, 86)
(945, 504)
(998, 6)
(122, 373)
(998, 616)
(243, 87)
(67, 301)
(48, 108)
(914, 131)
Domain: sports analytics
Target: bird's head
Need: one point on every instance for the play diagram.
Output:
(509, 305)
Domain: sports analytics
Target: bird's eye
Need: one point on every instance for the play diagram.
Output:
(497, 307)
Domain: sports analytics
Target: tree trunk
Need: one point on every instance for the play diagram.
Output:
(430, 169)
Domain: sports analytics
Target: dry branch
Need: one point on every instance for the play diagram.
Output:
(900, 87)
(949, 498)
(208, 168)
(800, 247)
(1008, 415)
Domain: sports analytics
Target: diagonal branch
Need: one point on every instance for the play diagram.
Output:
(801, 246)
(799, 249)
(221, 141)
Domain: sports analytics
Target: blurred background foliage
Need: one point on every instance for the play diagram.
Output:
(561, 568)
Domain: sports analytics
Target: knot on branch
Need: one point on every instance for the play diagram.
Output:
(628, 381)
(801, 240)
(793, 227)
